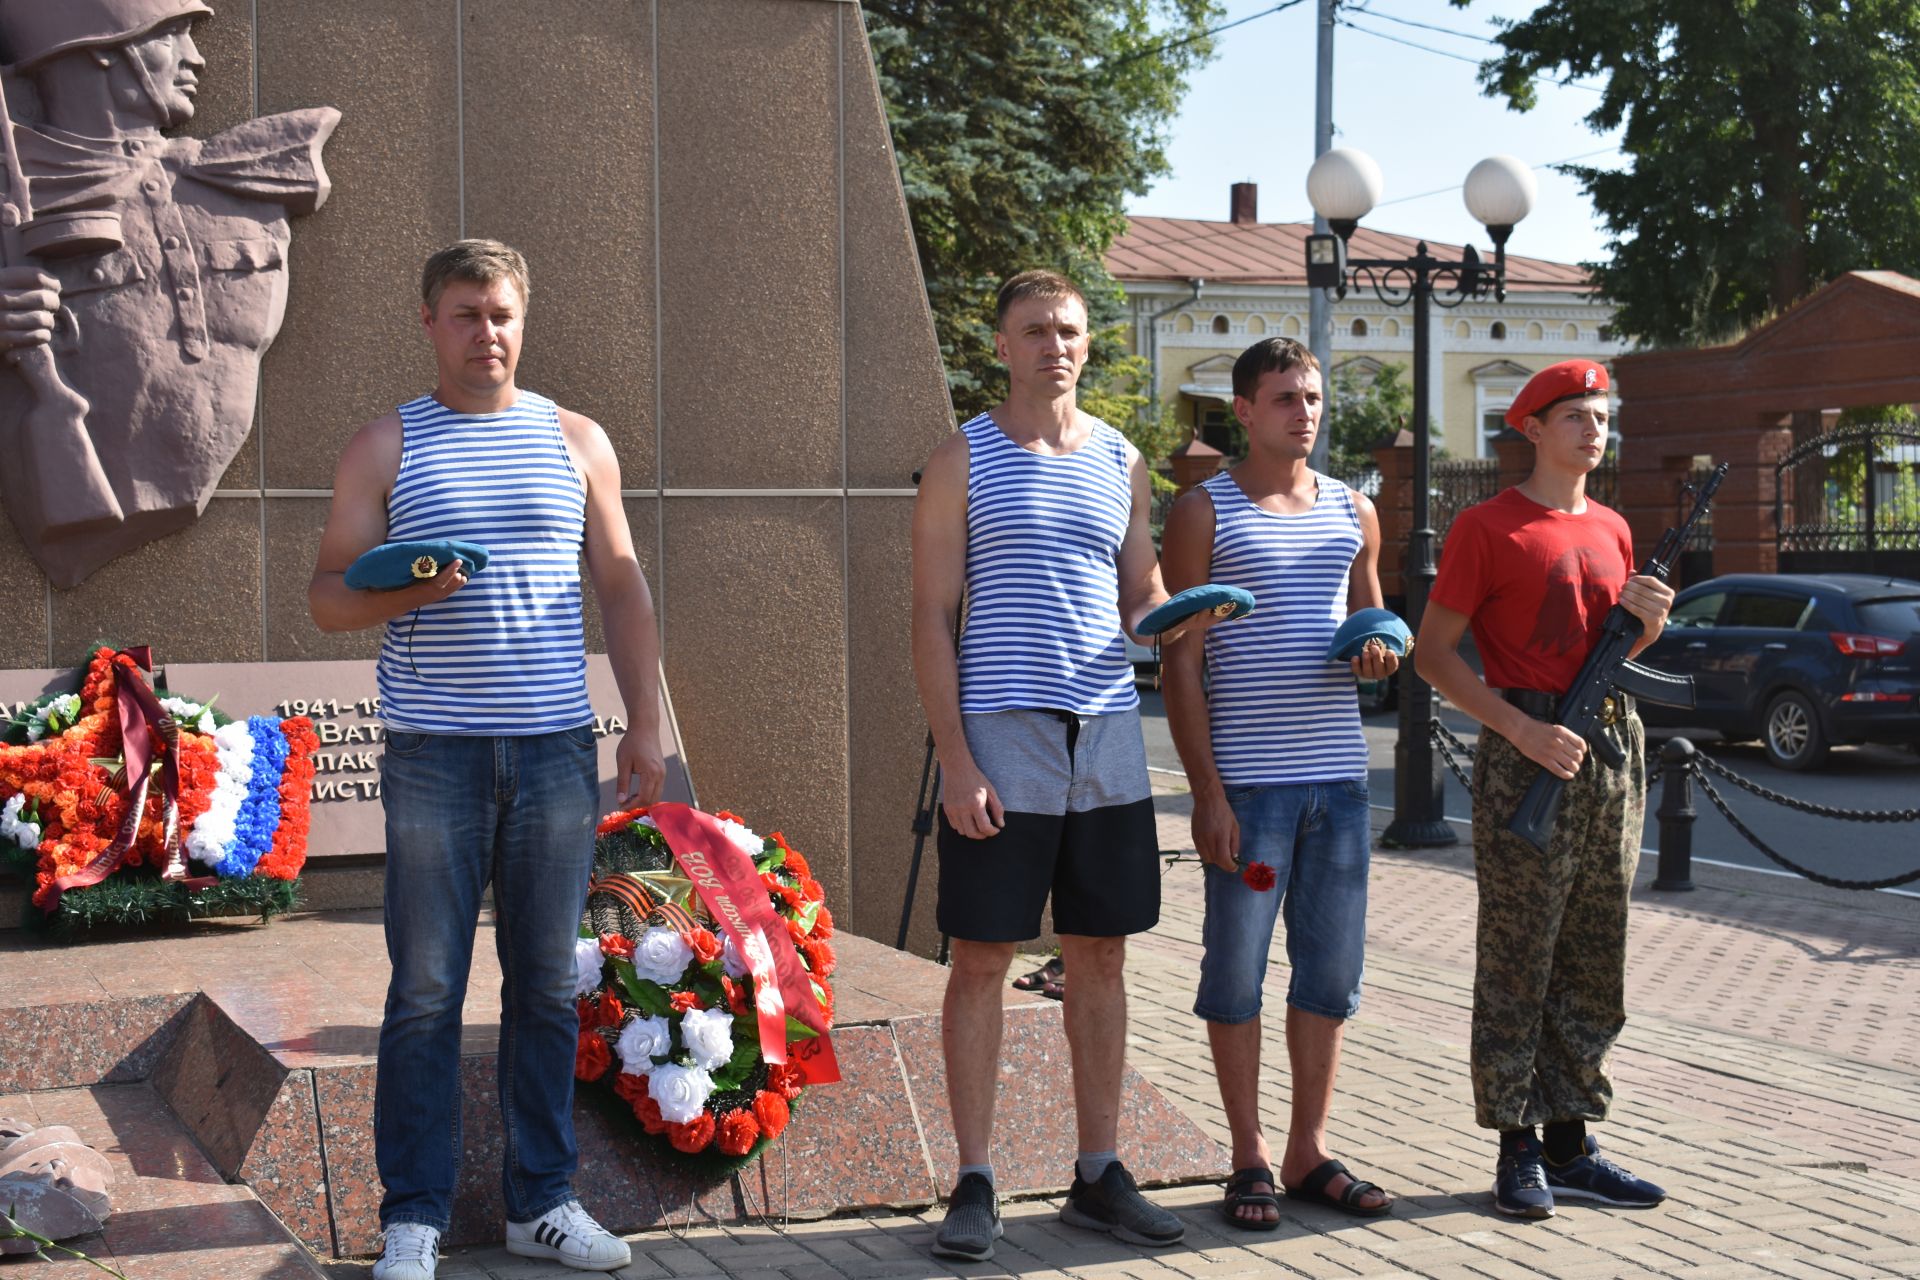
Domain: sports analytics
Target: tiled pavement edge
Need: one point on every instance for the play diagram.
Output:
(1769, 1076)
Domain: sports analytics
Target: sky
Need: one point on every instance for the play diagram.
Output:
(1248, 116)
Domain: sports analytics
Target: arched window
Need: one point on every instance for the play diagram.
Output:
(1391, 328)
(1497, 331)
(1606, 333)
(1290, 326)
(1183, 323)
(1534, 332)
(1220, 324)
(1256, 325)
(1359, 329)
(1461, 329)
(1571, 333)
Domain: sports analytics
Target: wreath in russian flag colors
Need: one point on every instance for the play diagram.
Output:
(130, 804)
(701, 975)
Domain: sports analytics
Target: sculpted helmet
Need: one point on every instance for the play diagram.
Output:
(31, 31)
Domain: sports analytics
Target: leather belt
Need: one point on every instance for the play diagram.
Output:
(1545, 706)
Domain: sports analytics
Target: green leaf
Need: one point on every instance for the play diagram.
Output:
(807, 915)
(798, 1030)
(641, 992)
(770, 861)
(746, 1055)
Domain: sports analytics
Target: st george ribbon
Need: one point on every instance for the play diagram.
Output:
(732, 893)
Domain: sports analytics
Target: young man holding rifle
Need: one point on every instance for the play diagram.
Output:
(1535, 571)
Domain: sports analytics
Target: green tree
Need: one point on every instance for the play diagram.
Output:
(1365, 412)
(1020, 129)
(1771, 146)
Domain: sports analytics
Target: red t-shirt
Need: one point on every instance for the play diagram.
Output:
(1536, 582)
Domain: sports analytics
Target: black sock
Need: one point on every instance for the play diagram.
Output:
(1510, 1138)
(1565, 1140)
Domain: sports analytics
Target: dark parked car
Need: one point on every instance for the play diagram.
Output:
(1800, 661)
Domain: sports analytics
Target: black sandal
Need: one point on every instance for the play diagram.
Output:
(1052, 971)
(1314, 1189)
(1238, 1197)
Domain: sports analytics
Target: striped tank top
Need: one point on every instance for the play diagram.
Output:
(1042, 629)
(1281, 713)
(506, 653)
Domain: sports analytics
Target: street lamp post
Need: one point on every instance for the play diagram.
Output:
(1343, 186)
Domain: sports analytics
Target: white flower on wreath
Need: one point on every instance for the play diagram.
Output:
(191, 715)
(708, 1035)
(661, 955)
(681, 1093)
(641, 1041)
(24, 834)
(731, 961)
(743, 838)
(586, 965)
(64, 710)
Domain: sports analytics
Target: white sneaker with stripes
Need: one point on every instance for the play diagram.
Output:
(569, 1235)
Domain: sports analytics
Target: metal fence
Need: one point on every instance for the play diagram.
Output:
(1456, 484)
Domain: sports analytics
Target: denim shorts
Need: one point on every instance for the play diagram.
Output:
(1316, 837)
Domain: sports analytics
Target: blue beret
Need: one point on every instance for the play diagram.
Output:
(1369, 624)
(1223, 601)
(392, 565)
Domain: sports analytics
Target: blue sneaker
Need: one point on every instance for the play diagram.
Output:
(1520, 1181)
(1594, 1177)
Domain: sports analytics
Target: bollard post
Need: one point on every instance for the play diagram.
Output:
(1676, 815)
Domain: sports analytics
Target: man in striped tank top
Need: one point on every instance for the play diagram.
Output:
(489, 773)
(1269, 732)
(1534, 571)
(1036, 514)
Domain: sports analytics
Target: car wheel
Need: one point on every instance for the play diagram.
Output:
(1793, 735)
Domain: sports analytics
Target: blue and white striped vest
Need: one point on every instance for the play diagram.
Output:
(1043, 591)
(506, 654)
(1281, 713)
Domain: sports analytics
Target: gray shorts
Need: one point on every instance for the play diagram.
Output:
(1027, 757)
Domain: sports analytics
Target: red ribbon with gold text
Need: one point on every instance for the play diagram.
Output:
(731, 890)
(141, 719)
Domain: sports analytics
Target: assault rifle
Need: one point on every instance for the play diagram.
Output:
(1590, 703)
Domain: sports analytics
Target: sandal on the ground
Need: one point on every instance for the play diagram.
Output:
(1052, 971)
(1055, 988)
(1314, 1189)
(1238, 1198)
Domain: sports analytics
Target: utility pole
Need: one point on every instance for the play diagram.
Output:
(1319, 306)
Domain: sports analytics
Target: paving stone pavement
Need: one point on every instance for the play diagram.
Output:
(1769, 1077)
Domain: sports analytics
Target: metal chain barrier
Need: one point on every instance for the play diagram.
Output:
(1453, 750)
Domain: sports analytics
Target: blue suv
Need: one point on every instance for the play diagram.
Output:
(1800, 661)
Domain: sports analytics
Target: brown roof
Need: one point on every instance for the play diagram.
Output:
(1275, 253)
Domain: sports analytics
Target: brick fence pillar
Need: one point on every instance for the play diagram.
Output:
(1193, 462)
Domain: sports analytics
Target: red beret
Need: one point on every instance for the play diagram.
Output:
(1557, 382)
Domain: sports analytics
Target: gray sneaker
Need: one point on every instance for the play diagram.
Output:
(972, 1223)
(1114, 1204)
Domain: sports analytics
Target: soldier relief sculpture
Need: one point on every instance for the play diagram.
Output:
(142, 274)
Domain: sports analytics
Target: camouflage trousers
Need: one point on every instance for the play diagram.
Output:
(1549, 984)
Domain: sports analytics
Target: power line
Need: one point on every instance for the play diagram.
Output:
(1200, 35)
(1459, 57)
(1428, 26)
(1544, 164)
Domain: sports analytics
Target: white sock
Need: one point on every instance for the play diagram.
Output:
(1094, 1163)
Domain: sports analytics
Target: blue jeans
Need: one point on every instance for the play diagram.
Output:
(1316, 837)
(463, 811)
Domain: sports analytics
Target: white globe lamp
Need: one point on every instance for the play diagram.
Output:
(1343, 186)
(1499, 192)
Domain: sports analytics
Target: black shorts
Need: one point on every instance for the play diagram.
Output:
(1079, 828)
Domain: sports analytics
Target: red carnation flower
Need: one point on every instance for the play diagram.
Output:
(619, 946)
(771, 1110)
(823, 924)
(706, 947)
(819, 957)
(694, 1135)
(647, 1112)
(631, 1088)
(785, 1080)
(618, 821)
(683, 1001)
(738, 1132)
(591, 1057)
(1259, 876)
(811, 888)
(736, 993)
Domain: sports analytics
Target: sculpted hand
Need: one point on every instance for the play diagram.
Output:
(29, 300)
(972, 805)
(1559, 751)
(1216, 832)
(1376, 661)
(639, 769)
(1648, 599)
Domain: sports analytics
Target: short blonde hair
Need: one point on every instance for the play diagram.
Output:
(1050, 285)
(480, 261)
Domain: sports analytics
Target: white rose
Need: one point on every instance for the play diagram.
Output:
(680, 1092)
(641, 1041)
(661, 955)
(586, 965)
(708, 1035)
(743, 839)
(732, 961)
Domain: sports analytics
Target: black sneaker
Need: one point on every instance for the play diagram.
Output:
(1594, 1177)
(1520, 1180)
(1114, 1204)
(972, 1223)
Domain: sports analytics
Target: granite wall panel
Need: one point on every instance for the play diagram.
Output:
(23, 604)
(749, 244)
(643, 519)
(756, 660)
(566, 176)
(352, 347)
(293, 541)
(195, 596)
